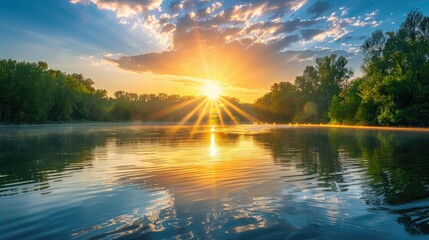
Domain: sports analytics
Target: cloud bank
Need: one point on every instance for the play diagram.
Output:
(245, 43)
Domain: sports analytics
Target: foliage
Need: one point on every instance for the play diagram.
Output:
(308, 99)
(32, 93)
(394, 89)
(344, 107)
(283, 100)
(396, 68)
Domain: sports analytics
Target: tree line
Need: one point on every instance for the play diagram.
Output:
(32, 93)
(394, 88)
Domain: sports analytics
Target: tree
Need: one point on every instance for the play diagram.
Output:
(309, 82)
(308, 99)
(307, 86)
(333, 75)
(26, 92)
(345, 106)
(396, 69)
(283, 99)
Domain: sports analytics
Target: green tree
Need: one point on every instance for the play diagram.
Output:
(66, 96)
(308, 99)
(307, 86)
(396, 70)
(333, 75)
(283, 100)
(26, 92)
(345, 106)
(309, 82)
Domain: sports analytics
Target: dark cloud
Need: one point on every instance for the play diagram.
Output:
(290, 26)
(284, 42)
(180, 5)
(348, 38)
(345, 38)
(318, 8)
(202, 13)
(308, 34)
(168, 28)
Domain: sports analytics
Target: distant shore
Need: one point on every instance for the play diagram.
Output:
(395, 128)
(152, 123)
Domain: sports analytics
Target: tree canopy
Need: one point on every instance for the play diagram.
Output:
(394, 88)
(308, 99)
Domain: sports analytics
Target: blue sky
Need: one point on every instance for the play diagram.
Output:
(154, 45)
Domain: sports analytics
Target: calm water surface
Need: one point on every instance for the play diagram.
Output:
(236, 182)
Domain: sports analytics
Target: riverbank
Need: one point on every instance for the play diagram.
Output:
(139, 123)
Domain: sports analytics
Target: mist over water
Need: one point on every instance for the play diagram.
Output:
(231, 182)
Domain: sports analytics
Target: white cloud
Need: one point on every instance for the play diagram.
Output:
(371, 15)
(125, 8)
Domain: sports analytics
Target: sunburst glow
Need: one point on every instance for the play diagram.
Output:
(212, 90)
(211, 110)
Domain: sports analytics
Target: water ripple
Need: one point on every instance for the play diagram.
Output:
(236, 182)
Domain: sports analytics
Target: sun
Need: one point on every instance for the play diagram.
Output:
(212, 90)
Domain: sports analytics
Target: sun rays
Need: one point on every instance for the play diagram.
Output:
(208, 111)
(219, 111)
(212, 109)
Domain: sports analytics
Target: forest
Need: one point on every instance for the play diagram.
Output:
(393, 90)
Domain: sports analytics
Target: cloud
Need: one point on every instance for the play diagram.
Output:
(278, 8)
(284, 42)
(338, 28)
(246, 43)
(123, 8)
(309, 34)
(292, 25)
(318, 8)
(371, 15)
(186, 5)
(206, 54)
(212, 58)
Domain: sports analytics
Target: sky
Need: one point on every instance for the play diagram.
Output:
(177, 46)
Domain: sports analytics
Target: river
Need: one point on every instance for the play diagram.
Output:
(212, 182)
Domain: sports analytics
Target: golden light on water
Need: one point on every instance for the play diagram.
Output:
(213, 147)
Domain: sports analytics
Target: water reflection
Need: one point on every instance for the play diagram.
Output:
(213, 148)
(388, 169)
(267, 182)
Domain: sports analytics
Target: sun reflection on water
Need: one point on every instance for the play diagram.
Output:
(215, 181)
(213, 147)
